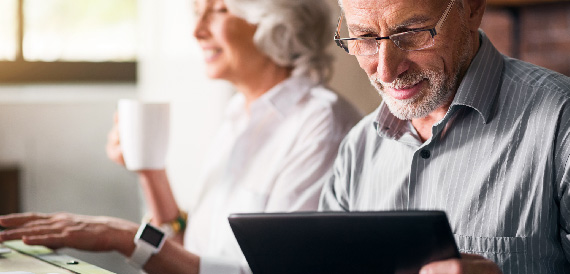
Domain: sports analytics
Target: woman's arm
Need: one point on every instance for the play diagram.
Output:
(160, 199)
(154, 183)
(94, 234)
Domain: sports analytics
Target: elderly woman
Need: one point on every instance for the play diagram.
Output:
(280, 136)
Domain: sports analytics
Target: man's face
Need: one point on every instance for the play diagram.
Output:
(412, 83)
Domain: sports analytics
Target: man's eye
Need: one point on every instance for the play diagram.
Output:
(363, 35)
(414, 29)
(406, 29)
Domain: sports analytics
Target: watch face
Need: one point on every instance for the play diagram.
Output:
(152, 236)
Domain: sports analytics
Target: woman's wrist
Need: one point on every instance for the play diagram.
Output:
(170, 227)
(122, 237)
(152, 174)
(128, 246)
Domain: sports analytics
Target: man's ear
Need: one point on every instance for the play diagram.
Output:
(474, 10)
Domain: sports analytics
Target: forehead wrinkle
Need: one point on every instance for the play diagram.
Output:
(367, 19)
(387, 16)
(414, 20)
(357, 28)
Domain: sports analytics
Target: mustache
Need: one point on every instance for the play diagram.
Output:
(406, 80)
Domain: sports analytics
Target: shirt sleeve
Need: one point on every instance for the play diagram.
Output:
(563, 162)
(301, 181)
(333, 198)
(346, 172)
(299, 184)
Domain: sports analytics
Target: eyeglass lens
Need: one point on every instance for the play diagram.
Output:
(407, 41)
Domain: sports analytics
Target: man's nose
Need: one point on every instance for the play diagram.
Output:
(391, 61)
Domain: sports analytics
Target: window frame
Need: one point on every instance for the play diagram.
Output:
(22, 71)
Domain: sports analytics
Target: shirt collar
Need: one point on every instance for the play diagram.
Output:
(477, 90)
(481, 82)
(281, 98)
(389, 126)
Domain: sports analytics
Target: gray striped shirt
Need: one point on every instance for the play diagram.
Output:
(498, 165)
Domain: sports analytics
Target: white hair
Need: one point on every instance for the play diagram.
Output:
(293, 33)
(461, 5)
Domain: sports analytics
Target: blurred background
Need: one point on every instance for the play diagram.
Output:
(65, 63)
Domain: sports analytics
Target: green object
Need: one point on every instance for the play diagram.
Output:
(60, 260)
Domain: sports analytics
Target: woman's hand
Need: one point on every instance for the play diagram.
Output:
(113, 147)
(69, 230)
(468, 264)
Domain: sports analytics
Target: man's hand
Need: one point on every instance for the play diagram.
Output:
(69, 230)
(468, 264)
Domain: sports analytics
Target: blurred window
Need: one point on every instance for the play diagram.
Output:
(8, 30)
(67, 40)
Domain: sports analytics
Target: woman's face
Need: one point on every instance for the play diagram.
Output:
(226, 41)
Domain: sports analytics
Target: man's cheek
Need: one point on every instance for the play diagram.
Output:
(368, 64)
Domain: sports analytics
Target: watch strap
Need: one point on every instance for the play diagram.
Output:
(140, 256)
(148, 241)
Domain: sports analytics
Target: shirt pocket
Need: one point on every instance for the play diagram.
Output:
(512, 254)
(492, 246)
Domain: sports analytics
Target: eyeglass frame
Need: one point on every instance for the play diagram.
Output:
(433, 32)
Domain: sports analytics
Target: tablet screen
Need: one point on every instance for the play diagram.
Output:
(341, 242)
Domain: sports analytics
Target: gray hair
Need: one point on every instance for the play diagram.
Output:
(461, 5)
(293, 33)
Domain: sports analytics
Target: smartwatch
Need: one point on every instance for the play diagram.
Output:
(149, 240)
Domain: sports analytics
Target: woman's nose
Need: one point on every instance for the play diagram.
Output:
(201, 26)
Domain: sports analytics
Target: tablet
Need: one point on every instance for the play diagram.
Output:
(343, 242)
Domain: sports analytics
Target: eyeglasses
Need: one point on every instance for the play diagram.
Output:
(407, 41)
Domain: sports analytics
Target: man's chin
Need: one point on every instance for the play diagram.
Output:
(419, 105)
(396, 108)
(402, 110)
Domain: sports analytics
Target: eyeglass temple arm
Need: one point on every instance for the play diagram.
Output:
(440, 23)
(337, 32)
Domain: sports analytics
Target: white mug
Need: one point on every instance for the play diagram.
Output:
(143, 132)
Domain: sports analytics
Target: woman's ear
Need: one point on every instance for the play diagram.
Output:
(474, 9)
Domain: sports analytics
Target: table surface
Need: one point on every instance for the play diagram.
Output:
(42, 260)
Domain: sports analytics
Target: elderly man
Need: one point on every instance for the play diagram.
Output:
(463, 129)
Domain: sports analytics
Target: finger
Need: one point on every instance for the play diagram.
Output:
(56, 221)
(468, 264)
(113, 147)
(471, 257)
(19, 233)
(452, 266)
(18, 219)
(53, 241)
(111, 150)
(115, 153)
(113, 135)
(111, 139)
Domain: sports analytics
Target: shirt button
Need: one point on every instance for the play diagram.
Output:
(425, 153)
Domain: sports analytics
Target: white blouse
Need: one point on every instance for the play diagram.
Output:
(268, 159)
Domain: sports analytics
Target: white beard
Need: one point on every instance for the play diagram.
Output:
(440, 90)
